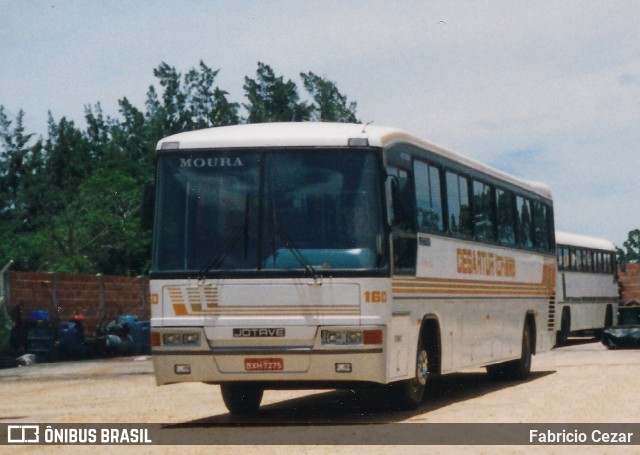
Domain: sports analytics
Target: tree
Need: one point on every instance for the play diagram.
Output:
(223, 112)
(174, 100)
(99, 231)
(19, 167)
(109, 221)
(271, 99)
(330, 105)
(191, 102)
(134, 138)
(68, 161)
(70, 201)
(206, 105)
(14, 166)
(98, 132)
(631, 252)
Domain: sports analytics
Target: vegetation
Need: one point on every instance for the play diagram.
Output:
(71, 201)
(630, 253)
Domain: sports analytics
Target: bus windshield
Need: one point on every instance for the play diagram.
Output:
(255, 210)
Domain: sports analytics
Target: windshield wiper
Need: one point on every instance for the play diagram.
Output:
(295, 251)
(288, 242)
(219, 258)
(241, 230)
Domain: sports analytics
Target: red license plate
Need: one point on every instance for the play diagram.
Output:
(275, 364)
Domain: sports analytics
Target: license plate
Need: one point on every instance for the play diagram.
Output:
(275, 364)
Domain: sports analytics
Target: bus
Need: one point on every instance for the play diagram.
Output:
(319, 255)
(587, 287)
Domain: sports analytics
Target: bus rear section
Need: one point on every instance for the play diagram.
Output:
(587, 286)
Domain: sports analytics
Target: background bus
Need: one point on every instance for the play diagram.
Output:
(587, 288)
(335, 255)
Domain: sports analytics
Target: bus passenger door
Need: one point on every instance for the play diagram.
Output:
(402, 219)
(398, 361)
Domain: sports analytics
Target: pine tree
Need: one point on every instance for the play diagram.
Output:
(271, 99)
(330, 105)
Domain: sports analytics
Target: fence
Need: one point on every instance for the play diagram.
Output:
(629, 276)
(101, 298)
(98, 298)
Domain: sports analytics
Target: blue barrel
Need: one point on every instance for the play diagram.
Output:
(41, 339)
(39, 315)
(139, 332)
(71, 341)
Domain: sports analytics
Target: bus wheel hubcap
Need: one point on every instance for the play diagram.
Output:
(422, 367)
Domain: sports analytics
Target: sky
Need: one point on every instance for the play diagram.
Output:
(545, 90)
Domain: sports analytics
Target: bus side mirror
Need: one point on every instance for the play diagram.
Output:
(400, 203)
(391, 187)
(148, 206)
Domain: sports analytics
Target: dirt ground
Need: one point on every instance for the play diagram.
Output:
(582, 382)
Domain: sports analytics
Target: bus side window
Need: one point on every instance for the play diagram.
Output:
(483, 211)
(588, 254)
(597, 261)
(523, 206)
(608, 263)
(458, 204)
(560, 257)
(506, 217)
(540, 225)
(565, 258)
(428, 197)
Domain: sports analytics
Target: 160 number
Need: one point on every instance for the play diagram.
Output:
(375, 296)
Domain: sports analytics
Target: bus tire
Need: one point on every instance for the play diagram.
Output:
(565, 327)
(608, 317)
(521, 368)
(241, 398)
(408, 394)
(608, 322)
(515, 369)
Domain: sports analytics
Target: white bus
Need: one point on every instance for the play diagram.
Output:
(587, 288)
(315, 255)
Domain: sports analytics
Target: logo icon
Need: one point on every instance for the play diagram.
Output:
(23, 434)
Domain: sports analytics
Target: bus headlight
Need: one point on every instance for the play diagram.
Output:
(181, 339)
(351, 337)
(171, 339)
(191, 338)
(341, 337)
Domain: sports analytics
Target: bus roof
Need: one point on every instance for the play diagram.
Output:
(279, 134)
(584, 241)
(320, 134)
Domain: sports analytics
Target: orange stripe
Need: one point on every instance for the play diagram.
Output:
(443, 286)
(180, 309)
(463, 281)
(467, 292)
(463, 285)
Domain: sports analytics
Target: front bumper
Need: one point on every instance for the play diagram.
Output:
(270, 364)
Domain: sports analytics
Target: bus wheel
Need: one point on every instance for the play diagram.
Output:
(409, 394)
(515, 369)
(608, 322)
(521, 368)
(608, 317)
(565, 327)
(241, 398)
